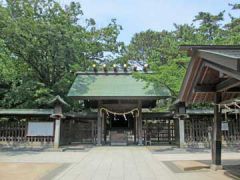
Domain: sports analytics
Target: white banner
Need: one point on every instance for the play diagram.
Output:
(40, 129)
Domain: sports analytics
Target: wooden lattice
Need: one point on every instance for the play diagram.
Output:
(198, 130)
(16, 131)
(160, 131)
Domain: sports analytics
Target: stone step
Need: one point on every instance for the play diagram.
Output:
(118, 138)
(118, 143)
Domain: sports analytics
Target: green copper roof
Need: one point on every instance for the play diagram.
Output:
(108, 86)
(58, 100)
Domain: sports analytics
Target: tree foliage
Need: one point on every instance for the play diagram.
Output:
(161, 49)
(42, 43)
(46, 42)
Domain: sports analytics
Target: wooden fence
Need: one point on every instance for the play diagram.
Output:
(198, 131)
(160, 131)
(76, 131)
(16, 132)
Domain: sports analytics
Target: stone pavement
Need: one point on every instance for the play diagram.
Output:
(120, 163)
(23, 171)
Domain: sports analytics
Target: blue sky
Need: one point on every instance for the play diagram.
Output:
(139, 15)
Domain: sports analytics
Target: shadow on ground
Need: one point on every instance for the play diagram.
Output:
(177, 150)
(19, 150)
(232, 171)
(231, 167)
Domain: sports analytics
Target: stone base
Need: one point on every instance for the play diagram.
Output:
(215, 167)
(188, 165)
(118, 144)
(182, 145)
(56, 146)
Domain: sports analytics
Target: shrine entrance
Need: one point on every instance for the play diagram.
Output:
(120, 127)
(118, 98)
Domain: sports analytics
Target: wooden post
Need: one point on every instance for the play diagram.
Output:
(216, 134)
(135, 129)
(176, 130)
(140, 123)
(169, 133)
(93, 130)
(99, 126)
(104, 128)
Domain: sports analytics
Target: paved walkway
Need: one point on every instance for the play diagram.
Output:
(121, 163)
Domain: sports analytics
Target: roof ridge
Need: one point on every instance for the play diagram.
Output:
(111, 72)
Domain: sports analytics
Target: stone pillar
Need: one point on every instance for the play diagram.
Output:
(57, 115)
(216, 134)
(181, 133)
(140, 124)
(99, 128)
(57, 133)
(180, 136)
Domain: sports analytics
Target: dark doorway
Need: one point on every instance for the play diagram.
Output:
(121, 121)
(119, 129)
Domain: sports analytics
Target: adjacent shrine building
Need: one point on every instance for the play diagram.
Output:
(213, 76)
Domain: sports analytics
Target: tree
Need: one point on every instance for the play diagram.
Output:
(209, 24)
(49, 42)
(232, 29)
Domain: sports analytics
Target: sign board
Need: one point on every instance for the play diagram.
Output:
(224, 126)
(40, 129)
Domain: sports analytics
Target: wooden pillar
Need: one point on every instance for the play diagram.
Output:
(176, 130)
(93, 131)
(104, 128)
(169, 133)
(57, 133)
(140, 124)
(135, 129)
(99, 126)
(216, 134)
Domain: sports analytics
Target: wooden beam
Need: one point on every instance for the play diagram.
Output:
(212, 89)
(204, 74)
(226, 61)
(225, 70)
(188, 79)
(195, 81)
(204, 89)
(227, 84)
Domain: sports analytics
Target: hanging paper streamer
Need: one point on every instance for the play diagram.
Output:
(233, 107)
(121, 114)
(124, 115)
